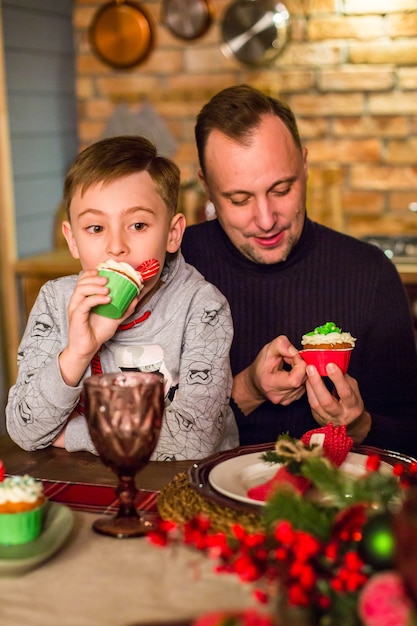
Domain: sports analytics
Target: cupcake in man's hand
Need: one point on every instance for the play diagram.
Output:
(21, 509)
(327, 344)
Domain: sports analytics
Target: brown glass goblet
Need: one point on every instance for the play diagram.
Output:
(124, 414)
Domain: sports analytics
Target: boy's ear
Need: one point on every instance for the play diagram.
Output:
(69, 237)
(176, 231)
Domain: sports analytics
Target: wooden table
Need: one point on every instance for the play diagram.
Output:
(58, 464)
(95, 580)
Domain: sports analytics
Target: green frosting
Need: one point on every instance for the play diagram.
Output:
(325, 329)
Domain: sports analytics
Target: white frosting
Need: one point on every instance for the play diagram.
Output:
(331, 338)
(122, 268)
(20, 489)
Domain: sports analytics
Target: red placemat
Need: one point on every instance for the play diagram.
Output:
(91, 498)
(94, 498)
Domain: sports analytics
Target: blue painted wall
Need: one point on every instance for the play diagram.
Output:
(40, 77)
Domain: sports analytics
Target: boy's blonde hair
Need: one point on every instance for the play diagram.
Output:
(110, 159)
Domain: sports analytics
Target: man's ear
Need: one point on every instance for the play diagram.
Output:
(203, 182)
(305, 164)
(176, 231)
(69, 237)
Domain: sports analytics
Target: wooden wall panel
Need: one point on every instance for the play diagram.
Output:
(40, 76)
(8, 294)
(44, 154)
(38, 140)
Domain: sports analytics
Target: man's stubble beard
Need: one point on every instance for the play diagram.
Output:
(251, 253)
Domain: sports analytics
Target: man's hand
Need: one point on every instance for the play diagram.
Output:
(342, 407)
(266, 378)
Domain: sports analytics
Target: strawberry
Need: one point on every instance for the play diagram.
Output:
(2, 472)
(336, 444)
(282, 478)
(148, 269)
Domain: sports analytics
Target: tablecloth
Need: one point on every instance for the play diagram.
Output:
(100, 581)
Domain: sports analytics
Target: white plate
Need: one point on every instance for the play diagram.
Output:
(234, 477)
(17, 560)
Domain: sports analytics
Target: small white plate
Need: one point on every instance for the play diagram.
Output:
(234, 477)
(17, 560)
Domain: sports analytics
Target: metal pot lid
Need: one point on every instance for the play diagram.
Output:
(255, 31)
(121, 34)
(187, 19)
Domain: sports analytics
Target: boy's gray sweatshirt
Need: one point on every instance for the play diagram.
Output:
(186, 337)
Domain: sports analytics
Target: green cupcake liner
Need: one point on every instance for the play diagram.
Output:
(22, 527)
(122, 292)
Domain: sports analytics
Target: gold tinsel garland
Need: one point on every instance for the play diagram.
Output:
(180, 502)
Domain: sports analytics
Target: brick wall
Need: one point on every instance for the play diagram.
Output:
(349, 72)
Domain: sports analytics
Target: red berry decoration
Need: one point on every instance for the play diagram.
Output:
(2, 471)
(348, 524)
(373, 463)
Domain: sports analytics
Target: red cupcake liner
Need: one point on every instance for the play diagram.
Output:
(320, 358)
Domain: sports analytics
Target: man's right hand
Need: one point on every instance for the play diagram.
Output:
(266, 378)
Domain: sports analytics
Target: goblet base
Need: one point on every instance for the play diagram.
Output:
(125, 527)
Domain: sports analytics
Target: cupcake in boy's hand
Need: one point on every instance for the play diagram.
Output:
(125, 283)
(21, 509)
(327, 344)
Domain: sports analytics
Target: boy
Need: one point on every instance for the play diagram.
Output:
(121, 200)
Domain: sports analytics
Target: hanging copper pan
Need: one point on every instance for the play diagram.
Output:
(121, 34)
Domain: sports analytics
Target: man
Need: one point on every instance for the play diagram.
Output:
(284, 275)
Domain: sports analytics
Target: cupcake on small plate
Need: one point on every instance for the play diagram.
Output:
(327, 344)
(21, 509)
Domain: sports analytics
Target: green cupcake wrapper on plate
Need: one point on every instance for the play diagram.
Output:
(21, 527)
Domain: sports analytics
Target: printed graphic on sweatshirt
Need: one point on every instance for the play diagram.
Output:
(202, 385)
(148, 358)
(41, 343)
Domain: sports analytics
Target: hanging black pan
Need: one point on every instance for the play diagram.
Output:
(187, 19)
(121, 34)
(255, 31)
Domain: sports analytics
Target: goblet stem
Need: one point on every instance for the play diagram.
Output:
(127, 492)
(128, 522)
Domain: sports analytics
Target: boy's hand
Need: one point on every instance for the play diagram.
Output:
(87, 331)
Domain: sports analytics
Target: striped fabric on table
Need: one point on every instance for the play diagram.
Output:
(91, 498)
(94, 498)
